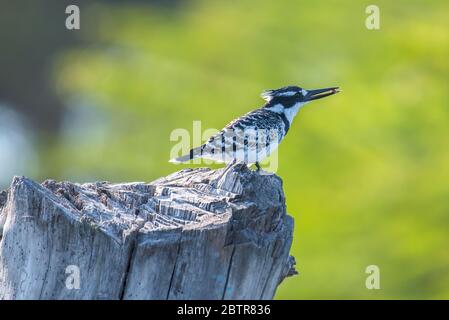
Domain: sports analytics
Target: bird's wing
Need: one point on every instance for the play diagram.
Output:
(247, 131)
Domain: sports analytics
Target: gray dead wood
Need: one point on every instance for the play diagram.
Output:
(195, 234)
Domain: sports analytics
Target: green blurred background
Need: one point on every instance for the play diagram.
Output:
(365, 172)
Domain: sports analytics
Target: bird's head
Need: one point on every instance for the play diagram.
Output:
(292, 95)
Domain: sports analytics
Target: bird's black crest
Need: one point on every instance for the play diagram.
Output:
(284, 91)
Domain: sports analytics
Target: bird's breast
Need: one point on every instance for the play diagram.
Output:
(291, 112)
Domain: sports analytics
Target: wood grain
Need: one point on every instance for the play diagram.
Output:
(195, 234)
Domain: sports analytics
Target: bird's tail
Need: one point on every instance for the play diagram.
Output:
(194, 153)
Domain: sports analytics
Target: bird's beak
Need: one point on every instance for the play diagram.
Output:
(320, 93)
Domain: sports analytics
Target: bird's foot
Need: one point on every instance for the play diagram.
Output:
(231, 164)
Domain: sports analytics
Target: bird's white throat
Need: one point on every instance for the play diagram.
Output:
(290, 113)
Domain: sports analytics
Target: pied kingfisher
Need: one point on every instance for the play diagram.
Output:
(252, 137)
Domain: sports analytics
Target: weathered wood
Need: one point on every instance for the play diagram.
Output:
(196, 234)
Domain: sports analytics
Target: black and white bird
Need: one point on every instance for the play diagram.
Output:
(252, 137)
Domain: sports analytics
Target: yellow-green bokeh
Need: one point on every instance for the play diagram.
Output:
(365, 172)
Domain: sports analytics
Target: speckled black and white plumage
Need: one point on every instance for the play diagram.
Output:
(253, 136)
(248, 139)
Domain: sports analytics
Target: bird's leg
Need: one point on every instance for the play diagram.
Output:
(230, 164)
(257, 166)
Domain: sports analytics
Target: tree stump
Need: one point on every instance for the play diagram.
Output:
(195, 234)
